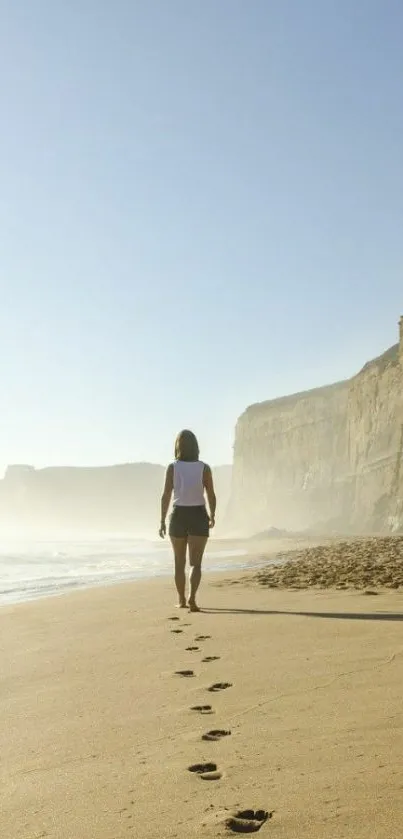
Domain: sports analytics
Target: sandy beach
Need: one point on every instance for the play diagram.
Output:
(98, 731)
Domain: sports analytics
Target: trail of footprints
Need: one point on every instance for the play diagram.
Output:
(243, 821)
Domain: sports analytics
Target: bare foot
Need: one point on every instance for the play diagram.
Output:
(192, 606)
(181, 604)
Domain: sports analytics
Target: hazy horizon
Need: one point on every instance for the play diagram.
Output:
(201, 209)
(74, 466)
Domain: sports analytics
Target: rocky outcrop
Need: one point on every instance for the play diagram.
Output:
(329, 458)
(122, 498)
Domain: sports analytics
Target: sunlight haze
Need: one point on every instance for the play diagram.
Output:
(201, 207)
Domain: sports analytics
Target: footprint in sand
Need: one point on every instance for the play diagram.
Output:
(219, 686)
(211, 658)
(173, 619)
(215, 734)
(202, 709)
(184, 673)
(206, 771)
(176, 631)
(192, 648)
(202, 637)
(248, 821)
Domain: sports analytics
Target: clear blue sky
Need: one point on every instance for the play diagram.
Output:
(201, 206)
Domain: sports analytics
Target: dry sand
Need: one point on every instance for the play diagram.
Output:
(97, 733)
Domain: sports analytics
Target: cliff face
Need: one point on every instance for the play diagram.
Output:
(103, 499)
(330, 457)
(114, 498)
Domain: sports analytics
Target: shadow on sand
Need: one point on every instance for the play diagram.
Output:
(352, 616)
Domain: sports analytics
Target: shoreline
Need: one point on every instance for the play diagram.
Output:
(100, 733)
(222, 554)
(236, 559)
(155, 561)
(369, 563)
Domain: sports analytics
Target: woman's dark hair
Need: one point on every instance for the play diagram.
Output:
(186, 446)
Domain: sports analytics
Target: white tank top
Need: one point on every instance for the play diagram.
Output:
(188, 483)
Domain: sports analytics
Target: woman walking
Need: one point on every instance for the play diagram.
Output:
(189, 479)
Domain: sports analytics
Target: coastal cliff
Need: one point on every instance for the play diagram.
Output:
(329, 458)
(111, 498)
(121, 498)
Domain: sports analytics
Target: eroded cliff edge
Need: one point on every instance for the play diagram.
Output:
(329, 458)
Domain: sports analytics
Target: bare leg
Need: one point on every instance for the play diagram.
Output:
(179, 546)
(197, 545)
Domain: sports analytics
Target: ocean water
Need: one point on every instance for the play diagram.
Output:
(30, 569)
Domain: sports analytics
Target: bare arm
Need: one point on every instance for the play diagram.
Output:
(208, 484)
(166, 497)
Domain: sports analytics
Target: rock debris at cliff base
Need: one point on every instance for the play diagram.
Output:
(376, 562)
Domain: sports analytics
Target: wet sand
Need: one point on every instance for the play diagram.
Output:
(98, 731)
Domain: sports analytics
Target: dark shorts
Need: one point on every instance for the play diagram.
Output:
(189, 521)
